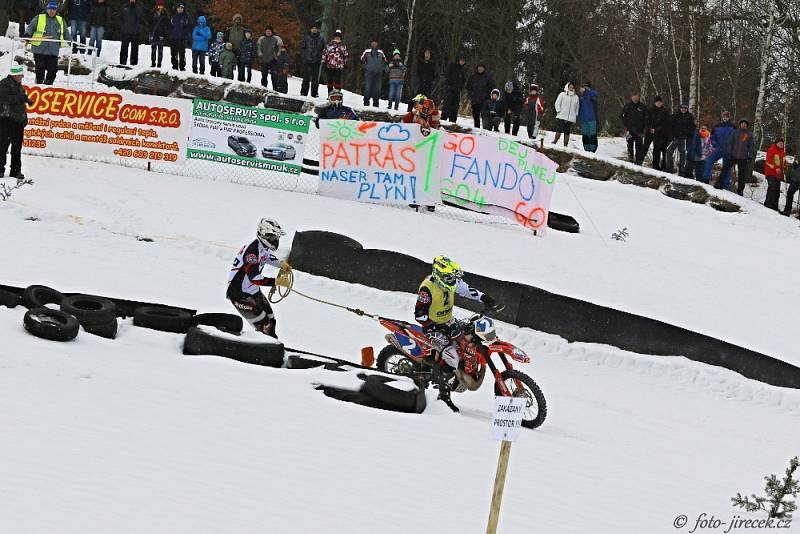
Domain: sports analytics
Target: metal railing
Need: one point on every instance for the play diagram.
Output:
(71, 45)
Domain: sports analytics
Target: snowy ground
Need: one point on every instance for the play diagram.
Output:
(130, 436)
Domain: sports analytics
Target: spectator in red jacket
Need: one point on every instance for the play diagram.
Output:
(773, 170)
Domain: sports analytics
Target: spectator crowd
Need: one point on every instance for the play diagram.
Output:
(679, 145)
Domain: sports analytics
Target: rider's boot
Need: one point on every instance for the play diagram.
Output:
(444, 390)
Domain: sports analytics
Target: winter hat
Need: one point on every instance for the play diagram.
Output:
(685, 105)
(704, 132)
(396, 52)
(220, 35)
(337, 32)
(180, 6)
(314, 25)
(495, 91)
(509, 86)
(743, 120)
(52, 4)
(658, 99)
(587, 84)
(159, 3)
(16, 70)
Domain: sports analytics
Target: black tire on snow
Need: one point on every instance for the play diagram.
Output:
(90, 310)
(40, 296)
(298, 362)
(203, 342)
(227, 322)
(9, 299)
(163, 318)
(107, 330)
(563, 223)
(534, 389)
(380, 388)
(54, 325)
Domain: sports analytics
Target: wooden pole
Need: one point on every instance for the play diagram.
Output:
(499, 485)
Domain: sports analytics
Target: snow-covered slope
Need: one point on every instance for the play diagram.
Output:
(725, 275)
(130, 436)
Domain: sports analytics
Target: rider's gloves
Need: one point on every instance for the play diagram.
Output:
(438, 341)
(488, 301)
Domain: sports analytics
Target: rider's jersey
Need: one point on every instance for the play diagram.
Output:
(245, 277)
(435, 303)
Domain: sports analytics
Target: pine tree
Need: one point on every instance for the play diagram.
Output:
(776, 503)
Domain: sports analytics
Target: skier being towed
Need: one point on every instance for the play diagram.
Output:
(245, 279)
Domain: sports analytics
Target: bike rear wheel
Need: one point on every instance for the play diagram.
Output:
(392, 360)
(521, 385)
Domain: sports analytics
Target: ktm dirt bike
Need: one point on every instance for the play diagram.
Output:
(409, 353)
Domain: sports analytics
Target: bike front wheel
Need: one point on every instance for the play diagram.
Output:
(521, 385)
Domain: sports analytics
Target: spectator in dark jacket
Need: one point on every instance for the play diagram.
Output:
(247, 54)
(180, 33)
(454, 79)
(159, 33)
(98, 20)
(719, 136)
(374, 61)
(793, 177)
(657, 132)
(201, 34)
(478, 86)
(133, 18)
(493, 111)
(311, 48)
(268, 47)
(6, 9)
(426, 76)
(512, 102)
(281, 81)
(634, 119)
(235, 34)
(26, 10)
(588, 115)
(532, 111)
(13, 118)
(682, 128)
(742, 151)
(79, 12)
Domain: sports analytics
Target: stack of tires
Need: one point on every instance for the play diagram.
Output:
(97, 315)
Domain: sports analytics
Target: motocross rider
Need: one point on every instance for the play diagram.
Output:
(423, 113)
(434, 311)
(245, 279)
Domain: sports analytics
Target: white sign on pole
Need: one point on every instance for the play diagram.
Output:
(507, 418)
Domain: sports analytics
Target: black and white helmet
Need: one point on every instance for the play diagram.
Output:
(269, 233)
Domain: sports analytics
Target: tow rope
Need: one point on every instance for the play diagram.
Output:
(284, 285)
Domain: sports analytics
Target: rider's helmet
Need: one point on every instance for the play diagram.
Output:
(336, 97)
(446, 272)
(484, 329)
(269, 233)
